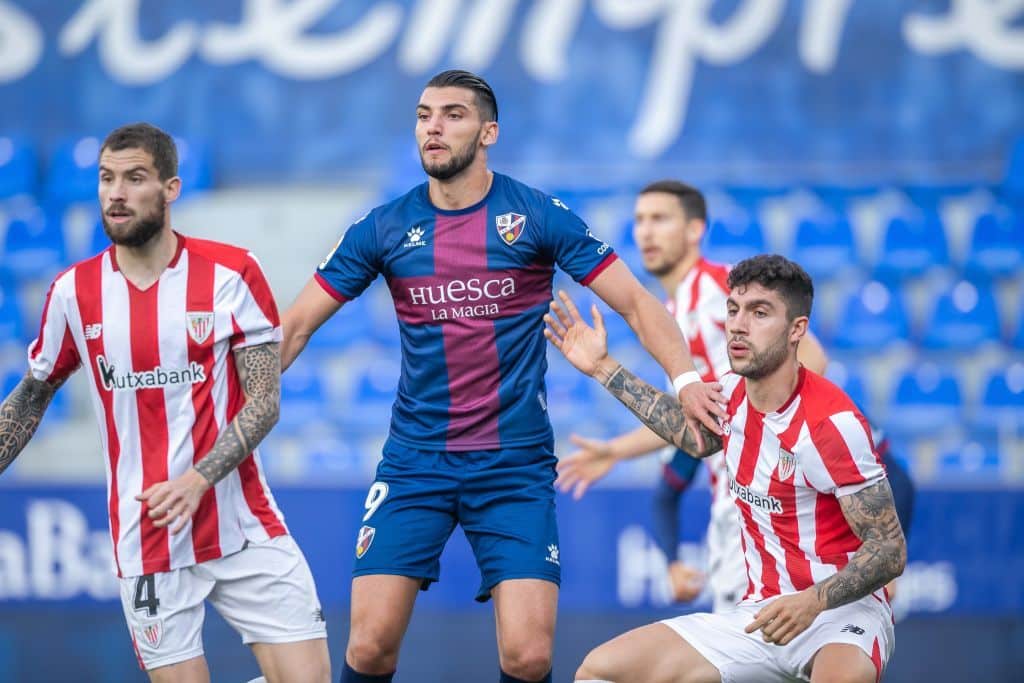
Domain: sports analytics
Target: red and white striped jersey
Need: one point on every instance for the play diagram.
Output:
(699, 308)
(786, 471)
(164, 384)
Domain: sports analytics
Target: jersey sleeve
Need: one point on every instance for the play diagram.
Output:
(843, 458)
(354, 263)
(571, 244)
(53, 356)
(253, 310)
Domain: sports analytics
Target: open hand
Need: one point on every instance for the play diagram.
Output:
(578, 470)
(582, 345)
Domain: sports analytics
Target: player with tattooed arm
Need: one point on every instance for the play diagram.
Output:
(820, 534)
(179, 340)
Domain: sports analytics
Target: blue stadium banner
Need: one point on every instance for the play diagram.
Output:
(966, 557)
(314, 89)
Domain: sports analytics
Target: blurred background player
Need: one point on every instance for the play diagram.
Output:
(469, 257)
(820, 532)
(670, 219)
(180, 340)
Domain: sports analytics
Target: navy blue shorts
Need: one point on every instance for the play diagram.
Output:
(504, 500)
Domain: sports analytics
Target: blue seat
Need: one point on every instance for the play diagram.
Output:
(568, 393)
(302, 394)
(194, 165)
(1013, 183)
(964, 316)
(925, 402)
(73, 174)
(871, 318)
(34, 246)
(911, 247)
(731, 242)
(970, 462)
(1002, 401)
(346, 327)
(12, 328)
(374, 393)
(19, 167)
(997, 246)
(824, 246)
(848, 378)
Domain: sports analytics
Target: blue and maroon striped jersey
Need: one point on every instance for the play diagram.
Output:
(470, 288)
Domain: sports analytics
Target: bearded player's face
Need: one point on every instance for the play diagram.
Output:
(759, 331)
(449, 131)
(132, 197)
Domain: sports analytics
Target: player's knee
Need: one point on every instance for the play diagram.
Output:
(371, 655)
(596, 666)
(860, 673)
(529, 661)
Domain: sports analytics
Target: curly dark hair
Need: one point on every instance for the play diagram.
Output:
(778, 274)
(149, 138)
(457, 78)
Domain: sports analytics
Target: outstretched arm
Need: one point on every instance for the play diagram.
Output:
(259, 374)
(20, 415)
(311, 308)
(881, 557)
(587, 349)
(662, 338)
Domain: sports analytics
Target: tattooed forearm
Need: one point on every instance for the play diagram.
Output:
(883, 551)
(659, 411)
(259, 373)
(20, 415)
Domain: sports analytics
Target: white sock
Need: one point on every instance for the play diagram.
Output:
(261, 679)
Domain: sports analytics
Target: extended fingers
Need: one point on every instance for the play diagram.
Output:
(570, 305)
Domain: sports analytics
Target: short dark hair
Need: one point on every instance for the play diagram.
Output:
(690, 197)
(147, 137)
(778, 274)
(457, 78)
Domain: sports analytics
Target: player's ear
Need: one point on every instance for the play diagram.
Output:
(798, 328)
(172, 189)
(695, 228)
(490, 133)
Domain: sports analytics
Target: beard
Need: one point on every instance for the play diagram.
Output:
(458, 162)
(760, 364)
(139, 233)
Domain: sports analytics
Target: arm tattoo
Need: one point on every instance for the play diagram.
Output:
(883, 551)
(659, 411)
(259, 373)
(20, 415)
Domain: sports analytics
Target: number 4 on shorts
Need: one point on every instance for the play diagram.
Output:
(145, 594)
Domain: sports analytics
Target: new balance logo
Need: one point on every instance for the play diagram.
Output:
(850, 628)
(93, 331)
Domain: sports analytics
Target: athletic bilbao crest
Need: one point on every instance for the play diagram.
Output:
(510, 226)
(200, 325)
(150, 633)
(366, 534)
(787, 464)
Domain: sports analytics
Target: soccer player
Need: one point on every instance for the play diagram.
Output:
(670, 219)
(821, 535)
(469, 258)
(179, 339)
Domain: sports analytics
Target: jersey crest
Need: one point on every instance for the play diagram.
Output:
(510, 226)
(787, 464)
(200, 325)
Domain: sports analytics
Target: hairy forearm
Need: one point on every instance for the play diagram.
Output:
(20, 415)
(660, 335)
(883, 551)
(259, 374)
(656, 409)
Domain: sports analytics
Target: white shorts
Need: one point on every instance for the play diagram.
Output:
(745, 658)
(265, 591)
(727, 568)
